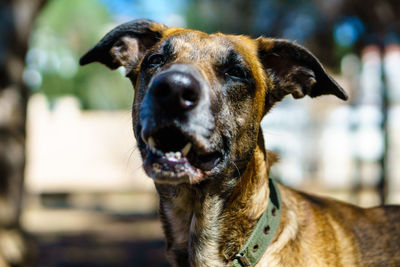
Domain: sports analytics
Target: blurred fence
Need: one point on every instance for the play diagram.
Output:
(87, 193)
(350, 150)
(87, 202)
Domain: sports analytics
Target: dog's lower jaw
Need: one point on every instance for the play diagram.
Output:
(204, 227)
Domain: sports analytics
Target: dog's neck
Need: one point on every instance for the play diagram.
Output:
(197, 218)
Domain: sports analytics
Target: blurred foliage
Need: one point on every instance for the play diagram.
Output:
(63, 32)
(329, 28)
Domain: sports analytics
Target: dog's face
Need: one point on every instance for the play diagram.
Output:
(200, 98)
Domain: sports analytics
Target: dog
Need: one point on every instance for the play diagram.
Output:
(199, 100)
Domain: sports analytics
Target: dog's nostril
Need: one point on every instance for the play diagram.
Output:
(189, 97)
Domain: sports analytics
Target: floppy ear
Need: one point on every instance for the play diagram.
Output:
(125, 45)
(294, 70)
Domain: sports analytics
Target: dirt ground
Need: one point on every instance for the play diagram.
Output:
(97, 251)
(64, 235)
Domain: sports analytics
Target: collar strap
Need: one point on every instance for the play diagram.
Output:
(263, 232)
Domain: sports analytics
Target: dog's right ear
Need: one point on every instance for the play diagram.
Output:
(125, 45)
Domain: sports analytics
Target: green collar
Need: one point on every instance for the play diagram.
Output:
(264, 231)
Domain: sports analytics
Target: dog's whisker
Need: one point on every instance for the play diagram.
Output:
(138, 167)
(238, 171)
(133, 150)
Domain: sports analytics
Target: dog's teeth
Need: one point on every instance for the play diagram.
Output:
(152, 145)
(151, 142)
(175, 155)
(186, 149)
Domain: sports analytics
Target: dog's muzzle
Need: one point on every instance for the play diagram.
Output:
(176, 124)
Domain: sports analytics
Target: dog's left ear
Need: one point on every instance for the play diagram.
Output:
(294, 70)
(125, 45)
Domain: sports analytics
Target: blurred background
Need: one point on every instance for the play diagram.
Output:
(72, 191)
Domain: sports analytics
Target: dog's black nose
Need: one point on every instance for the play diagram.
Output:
(175, 91)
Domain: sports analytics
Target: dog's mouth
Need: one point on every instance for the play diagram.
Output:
(175, 157)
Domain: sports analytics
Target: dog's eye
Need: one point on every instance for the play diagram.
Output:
(156, 59)
(236, 72)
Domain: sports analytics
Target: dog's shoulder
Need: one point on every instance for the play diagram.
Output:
(376, 230)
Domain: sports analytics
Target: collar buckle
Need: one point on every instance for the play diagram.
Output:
(243, 260)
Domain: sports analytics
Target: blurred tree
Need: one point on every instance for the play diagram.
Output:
(329, 28)
(348, 26)
(224, 16)
(16, 20)
(63, 32)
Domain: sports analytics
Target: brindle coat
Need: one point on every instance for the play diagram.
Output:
(211, 200)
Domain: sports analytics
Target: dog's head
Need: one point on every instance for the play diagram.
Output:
(199, 98)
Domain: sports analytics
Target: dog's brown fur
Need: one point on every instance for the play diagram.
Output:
(208, 215)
